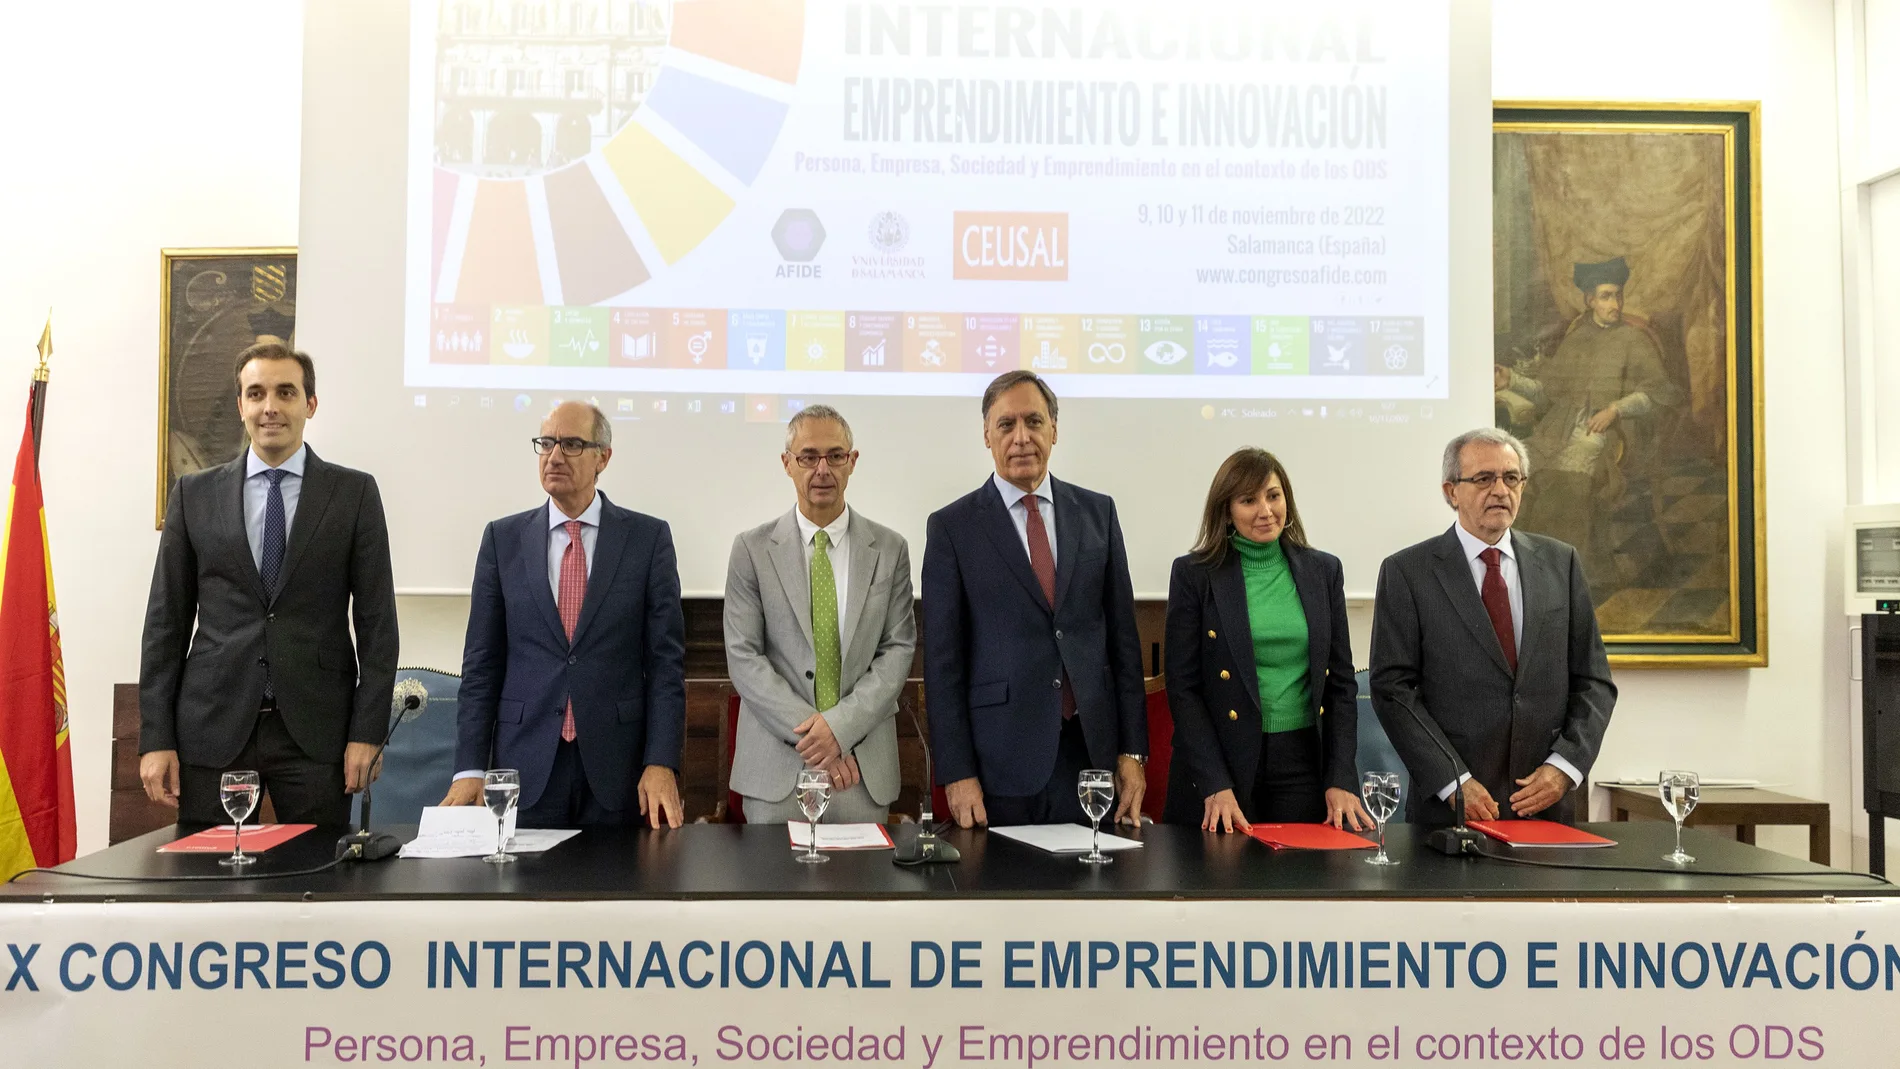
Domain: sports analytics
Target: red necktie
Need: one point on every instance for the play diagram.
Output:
(1497, 605)
(1043, 563)
(573, 592)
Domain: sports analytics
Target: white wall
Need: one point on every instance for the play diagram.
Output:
(181, 128)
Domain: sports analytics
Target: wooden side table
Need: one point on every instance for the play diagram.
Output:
(1743, 807)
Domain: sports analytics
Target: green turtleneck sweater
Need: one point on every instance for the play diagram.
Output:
(1279, 635)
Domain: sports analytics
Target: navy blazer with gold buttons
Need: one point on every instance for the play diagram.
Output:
(1214, 691)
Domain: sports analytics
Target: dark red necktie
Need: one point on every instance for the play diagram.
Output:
(1043, 563)
(1497, 605)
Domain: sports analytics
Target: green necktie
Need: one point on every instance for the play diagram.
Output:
(824, 621)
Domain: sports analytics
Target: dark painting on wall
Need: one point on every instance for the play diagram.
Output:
(213, 303)
(1627, 290)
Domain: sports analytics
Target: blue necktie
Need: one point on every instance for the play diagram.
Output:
(271, 551)
(271, 547)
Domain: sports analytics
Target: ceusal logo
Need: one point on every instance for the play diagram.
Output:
(1032, 246)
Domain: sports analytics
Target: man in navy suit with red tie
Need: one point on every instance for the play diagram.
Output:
(1032, 665)
(573, 671)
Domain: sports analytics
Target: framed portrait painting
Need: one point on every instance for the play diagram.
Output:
(213, 304)
(1627, 349)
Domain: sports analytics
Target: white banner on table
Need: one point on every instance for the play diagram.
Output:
(947, 984)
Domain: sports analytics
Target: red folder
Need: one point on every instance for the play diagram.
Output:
(1539, 833)
(1309, 837)
(220, 839)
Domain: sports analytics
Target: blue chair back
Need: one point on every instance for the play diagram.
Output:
(421, 755)
(1376, 752)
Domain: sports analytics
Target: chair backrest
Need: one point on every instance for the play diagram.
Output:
(1160, 747)
(420, 757)
(1376, 752)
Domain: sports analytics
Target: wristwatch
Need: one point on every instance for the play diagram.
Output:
(1138, 758)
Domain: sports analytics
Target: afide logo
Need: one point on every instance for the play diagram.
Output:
(799, 235)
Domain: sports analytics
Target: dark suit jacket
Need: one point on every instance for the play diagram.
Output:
(995, 653)
(1214, 688)
(207, 596)
(1433, 649)
(625, 669)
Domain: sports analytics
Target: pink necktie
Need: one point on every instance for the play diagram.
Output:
(573, 591)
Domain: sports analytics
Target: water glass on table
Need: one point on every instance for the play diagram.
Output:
(238, 792)
(1679, 791)
(1380, 791)
(501, 790)
(814, 794)
(1095, 788)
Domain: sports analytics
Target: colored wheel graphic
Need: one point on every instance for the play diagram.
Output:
(658, 187)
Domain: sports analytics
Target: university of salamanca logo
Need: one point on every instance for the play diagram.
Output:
(889, 232)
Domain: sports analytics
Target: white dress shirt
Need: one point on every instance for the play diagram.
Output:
(837, 531)
(557, 540)
(1019, 512)
(257, 497)
(557, 548)
(1474, 547)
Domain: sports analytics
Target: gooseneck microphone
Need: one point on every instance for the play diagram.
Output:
(1457, 840)
(406, 702)
(923, 848)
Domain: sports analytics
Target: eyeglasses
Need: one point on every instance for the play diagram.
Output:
(837, 458)
(570, 447)
(1485, 480)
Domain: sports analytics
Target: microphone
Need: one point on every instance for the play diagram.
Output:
(408, 701)
(1457, 840)
(923, 848)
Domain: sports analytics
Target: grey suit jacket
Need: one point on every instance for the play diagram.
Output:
(772, 663)
(208, 599)
(1434, 651)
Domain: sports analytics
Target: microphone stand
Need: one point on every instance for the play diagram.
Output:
(924, 848)
(1457, 840)
(362, 844)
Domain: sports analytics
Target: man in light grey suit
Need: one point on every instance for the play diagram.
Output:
(1484, 641)
(820, 633)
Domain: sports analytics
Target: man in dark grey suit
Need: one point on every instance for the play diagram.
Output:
(263, 566)
(820, 634)
(1484, 640)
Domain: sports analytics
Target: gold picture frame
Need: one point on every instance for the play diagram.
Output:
(212, 304)
(1660, 202)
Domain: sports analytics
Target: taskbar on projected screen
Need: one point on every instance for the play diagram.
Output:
(778, 408)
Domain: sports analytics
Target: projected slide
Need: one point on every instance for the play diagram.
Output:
(1219, 199)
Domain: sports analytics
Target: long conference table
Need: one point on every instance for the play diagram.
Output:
(713, 943)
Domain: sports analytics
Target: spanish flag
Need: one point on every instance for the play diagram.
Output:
(37, 826)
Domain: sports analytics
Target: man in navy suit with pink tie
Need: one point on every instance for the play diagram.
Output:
(573, 671)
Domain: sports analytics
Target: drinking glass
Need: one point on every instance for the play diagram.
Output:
(814, 794)
(238, 791)
(1380, 791)
(501, 789)
(1680, 792)
(1095, 787)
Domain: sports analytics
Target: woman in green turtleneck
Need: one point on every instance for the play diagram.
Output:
(1260, 674)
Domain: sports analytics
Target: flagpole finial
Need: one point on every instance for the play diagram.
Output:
(45, 346)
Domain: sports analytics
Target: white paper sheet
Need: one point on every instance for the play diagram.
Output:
(1063, 838)
(840, 836)
(469, 831)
